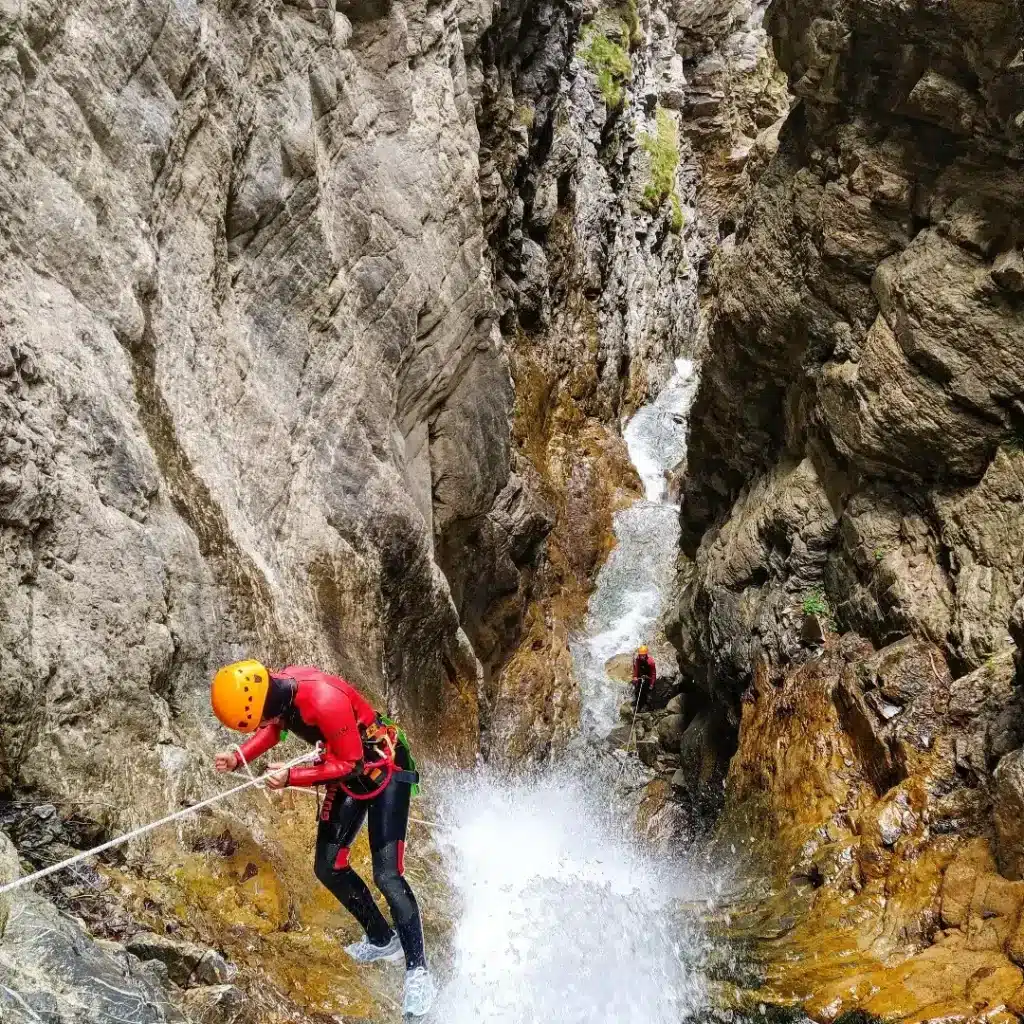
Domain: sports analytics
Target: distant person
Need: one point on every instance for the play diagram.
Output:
(645, 675)
(369, 774)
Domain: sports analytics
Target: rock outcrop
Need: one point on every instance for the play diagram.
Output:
(254, 395)
(853, 514)
(853, 450)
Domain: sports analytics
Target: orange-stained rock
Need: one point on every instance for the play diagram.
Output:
(961, 879)
(993, 986)
(1015, 1004)
(883, 914)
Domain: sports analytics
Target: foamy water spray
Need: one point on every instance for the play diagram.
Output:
(563, 920)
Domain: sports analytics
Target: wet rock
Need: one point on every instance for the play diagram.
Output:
(677, 705)
(648, 750)
(188, 964)
(217, 1004)
(1008, 806)
(670, 731)
(619, 736)
(51, 970)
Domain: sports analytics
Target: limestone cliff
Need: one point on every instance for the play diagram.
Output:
(267, 271)
(853, 513)
(254, 389)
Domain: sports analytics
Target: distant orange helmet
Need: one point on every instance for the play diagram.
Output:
(642, 649)
(238, 694)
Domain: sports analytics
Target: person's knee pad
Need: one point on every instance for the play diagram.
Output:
(326, 867)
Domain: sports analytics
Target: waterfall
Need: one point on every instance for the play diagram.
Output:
(563, 916)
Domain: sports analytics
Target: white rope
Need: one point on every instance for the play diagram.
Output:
(632, 728)
(312, 792)
(143, 829)
(248, 771)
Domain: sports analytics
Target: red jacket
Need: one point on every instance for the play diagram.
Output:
(326, 709)
(638, 666)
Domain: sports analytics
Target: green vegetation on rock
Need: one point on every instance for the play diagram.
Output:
(815, 603)
(662, 146)
(631, 23)
(610, 62)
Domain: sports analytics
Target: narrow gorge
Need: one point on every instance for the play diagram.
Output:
(459, 348)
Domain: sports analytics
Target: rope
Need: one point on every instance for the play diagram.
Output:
(248, 771)
(632, 729)
(313, 792)
(143, 829)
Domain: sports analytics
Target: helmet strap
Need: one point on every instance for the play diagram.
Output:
(280, 697)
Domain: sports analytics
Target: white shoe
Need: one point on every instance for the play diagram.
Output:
(419, 992)
(365, 952)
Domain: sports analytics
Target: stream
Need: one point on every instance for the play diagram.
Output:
(563, 916)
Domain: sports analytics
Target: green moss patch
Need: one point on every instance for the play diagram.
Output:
(610, 63)
(662, 146)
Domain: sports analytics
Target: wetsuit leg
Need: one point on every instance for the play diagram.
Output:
(334, 837)
(389, 819)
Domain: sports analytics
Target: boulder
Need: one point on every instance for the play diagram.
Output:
(217, 1004)
(670, 731)
(61, 975)
(648, 750)
(677, 705)
(619, 736)
(187, 963)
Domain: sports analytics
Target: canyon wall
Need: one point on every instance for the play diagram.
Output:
(267, 271)
(255, 397)
(853, 513)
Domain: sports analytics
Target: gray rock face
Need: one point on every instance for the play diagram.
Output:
(9, 871)
(252, 380)
(864, 328)
(187, 963)
(1009, 814)
(50, 970)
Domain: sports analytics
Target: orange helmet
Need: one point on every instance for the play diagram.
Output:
(642, 649)
(238, 694)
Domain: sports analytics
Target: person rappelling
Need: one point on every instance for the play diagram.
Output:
(645, 675)
(369, 774)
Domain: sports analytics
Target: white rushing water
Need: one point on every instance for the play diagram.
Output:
(563, 917)
(633, 583)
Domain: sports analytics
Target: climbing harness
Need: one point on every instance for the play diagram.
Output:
(143, 829)
(316, 793)
(381, 742)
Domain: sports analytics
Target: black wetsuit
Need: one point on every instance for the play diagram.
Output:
(644, 676)
(341, 818)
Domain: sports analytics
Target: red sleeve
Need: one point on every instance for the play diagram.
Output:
(654, 671)
(331, 711)
(261, 741)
